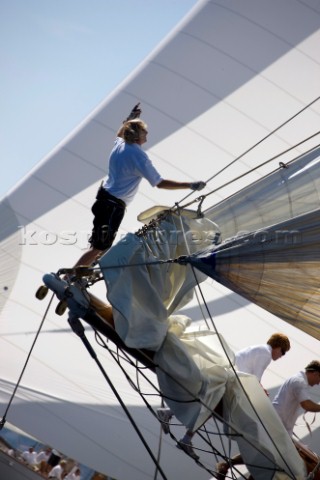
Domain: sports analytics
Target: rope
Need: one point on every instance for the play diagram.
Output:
(93, 354)
(116, 358)
(270, 160)
(259, 166)
(188, 250)
(224, 349)
(213, 414)
(88, 346)
(312, 474)
(177, 207)
(238, 379)
(204, 302)
(159, 445)
(3, 421)
(78, 328)
(257, 143)
(125, 372)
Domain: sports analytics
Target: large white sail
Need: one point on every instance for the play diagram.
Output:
(227, 76)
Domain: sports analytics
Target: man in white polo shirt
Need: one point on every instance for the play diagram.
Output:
(254, 360)
(294, 395)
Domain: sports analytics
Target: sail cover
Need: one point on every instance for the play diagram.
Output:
(227, 76)
(194, 367)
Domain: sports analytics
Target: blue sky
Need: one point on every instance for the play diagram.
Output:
(60, 59)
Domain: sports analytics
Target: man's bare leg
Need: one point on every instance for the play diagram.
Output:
(89, 257)
(86, 260)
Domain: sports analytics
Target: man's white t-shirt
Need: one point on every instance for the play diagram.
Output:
(56, 472)
(30, 457)
(287, 401)
(128, 165)
(254, 360)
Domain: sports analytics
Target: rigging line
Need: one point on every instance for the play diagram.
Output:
(142, 396)
(3, 421)
(225, 456)
(197, 399)
(79, 330)
(237, 376)
(160, 436)
(213, 414)
(137, 388)
(140, 264)
(188, 250)
(270, 160)
(220, 436)
(126, 357)
(201, 198)
(116, 358)
(257, 143)
(158, 454)
(312, 475)
(259, 166)
(263, 139)
(204, 434)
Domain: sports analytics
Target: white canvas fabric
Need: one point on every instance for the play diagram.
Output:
(194, 369)
(144, 292)
(264, 442)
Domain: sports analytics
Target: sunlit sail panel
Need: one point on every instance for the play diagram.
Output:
(277, 268)
(292, 189)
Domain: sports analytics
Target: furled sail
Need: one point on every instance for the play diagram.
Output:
(194, 367)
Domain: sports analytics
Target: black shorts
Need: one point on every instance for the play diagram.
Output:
(108, 213)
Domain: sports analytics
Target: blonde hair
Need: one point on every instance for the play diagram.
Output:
(130, 130)
(279, 340)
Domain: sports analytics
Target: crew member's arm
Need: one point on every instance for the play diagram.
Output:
(173, 185)
(310, 406)
(135, 113)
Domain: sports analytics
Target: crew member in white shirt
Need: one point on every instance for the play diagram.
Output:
(293, 397)
(30, 456)
(254, 360)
